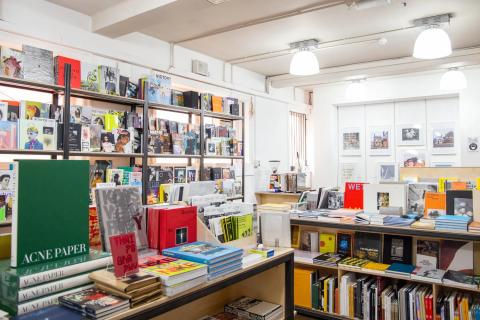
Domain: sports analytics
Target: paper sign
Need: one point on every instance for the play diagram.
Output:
(124, 254)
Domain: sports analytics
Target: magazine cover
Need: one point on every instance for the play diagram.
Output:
(171, 267)
(38, 65)
(85, 140)
(109, 77)
(89, 76)
(159, 89)
(95, 137)
(11, 62)
(8, 135)
(203, 252)
(30, 109)
(123, 140)
(92, 300)
(38, 134)
(107, 141)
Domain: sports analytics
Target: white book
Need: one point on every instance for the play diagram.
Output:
(184, 286)
(275, 229)
(52, 287)
(377, 195)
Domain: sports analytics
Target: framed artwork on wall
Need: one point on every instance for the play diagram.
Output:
(443, 138)
(380, 141)
(410, 135)
(387, 172)
(414, 158)
(351, 142)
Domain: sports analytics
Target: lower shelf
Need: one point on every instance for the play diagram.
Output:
(317, 314)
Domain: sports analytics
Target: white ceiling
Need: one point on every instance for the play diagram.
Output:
(178, 20)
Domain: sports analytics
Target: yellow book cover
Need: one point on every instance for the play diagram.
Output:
(302, 287)
(327, 242)
(172, 268)
(295, 236)
(111, 122)
(350, 300)
(376, 266)
(325, 295)
(5, 243)
(164, 193)
(442, 182)
(477, 183)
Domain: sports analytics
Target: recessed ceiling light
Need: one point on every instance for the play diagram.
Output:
(215, 2)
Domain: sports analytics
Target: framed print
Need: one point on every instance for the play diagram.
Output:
(442, 138)
(351, 142)
(348, 172)
(443, 164)
(413, 158)
(387, 172)
(410, 135)
(380, 141)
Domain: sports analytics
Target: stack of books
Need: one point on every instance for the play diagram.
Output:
(451, 222)
(221, 316)
(138, 288)
(400, 269)
(94, 303)
(250, 308)
(26, 289)
(176, 275)
(461, 279)
(388, 220)
(424, 223)
(328, 259)
(353, 263)
(428, 274)
(474, 227)
(220, 259)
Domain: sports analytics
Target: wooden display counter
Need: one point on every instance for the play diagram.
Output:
(270, 280)
(276, 197)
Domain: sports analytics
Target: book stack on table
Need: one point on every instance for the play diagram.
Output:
(451, 223)
(250, 308)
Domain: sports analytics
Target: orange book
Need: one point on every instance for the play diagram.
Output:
(435, 204)
(217, 104)
(458, 185)
(302, 287)
(337, 302)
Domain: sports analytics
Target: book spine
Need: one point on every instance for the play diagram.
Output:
(46, 301)
(50, 275)
(15, 178)
(52, 287)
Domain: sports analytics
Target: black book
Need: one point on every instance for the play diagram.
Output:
(206, 174)
(75, 137)
(235, 109)
(397, 249)
(191, 99)
(460, 202)
(216, 174)
(368, 246)
(123, 85)
(165, 176)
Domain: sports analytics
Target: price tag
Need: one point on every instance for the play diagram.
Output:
(124, 254)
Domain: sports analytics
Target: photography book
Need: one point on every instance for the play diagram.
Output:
(397, 249)
(368, 246)
(204, 252)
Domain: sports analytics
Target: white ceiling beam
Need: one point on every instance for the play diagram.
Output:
(126, 16)
(380, 68)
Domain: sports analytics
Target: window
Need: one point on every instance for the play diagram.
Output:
(298, 138)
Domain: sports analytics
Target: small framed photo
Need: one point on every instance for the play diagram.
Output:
(413, 158)
(387, 172)
(443, 138)
(410, 135)
(380, 141)
(351, 142)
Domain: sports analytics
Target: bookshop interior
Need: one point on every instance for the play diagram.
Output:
(240, 159)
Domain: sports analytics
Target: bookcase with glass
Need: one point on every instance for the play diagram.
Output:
(366, 258)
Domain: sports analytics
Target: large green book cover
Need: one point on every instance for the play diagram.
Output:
(50, 210)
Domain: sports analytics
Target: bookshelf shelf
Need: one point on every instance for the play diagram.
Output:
(174, 156)
(223, 157)
(30, 85)
(105, 154)
(36, 152)
(168, 107)
(244, 280)
(78, 93)
(223, 116)
(459, 235)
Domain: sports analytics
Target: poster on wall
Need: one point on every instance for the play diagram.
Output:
(413, 158)
(348, 172)
(351, 142)
(472, 144)
(380, 141)
(410, 135)
(387, 172)
(443, 138)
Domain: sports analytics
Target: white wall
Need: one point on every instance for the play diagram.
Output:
(325, 115)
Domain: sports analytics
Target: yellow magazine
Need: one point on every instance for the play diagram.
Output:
(327, 242)
(173, 268)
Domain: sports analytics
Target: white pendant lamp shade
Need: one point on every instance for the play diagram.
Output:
(432, 43)
(304, 63)
(356, 91)
(453, 80)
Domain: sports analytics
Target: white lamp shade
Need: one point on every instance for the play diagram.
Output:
(304, 63)
(432, 43)
(356, 91)
(453, 80)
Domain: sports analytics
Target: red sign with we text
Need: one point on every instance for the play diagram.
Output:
(124, 254)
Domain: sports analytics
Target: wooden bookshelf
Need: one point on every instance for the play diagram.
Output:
(276, 197)
(213, 295)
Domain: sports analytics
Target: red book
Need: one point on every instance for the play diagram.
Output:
(152, 228)
(75, 76)
(353, 198)
(124, 254)
(177, 226)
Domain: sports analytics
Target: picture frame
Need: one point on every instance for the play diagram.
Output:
(411, 134)
(442, 164)
(414, 158)
(443, 138)
(380, 141)
(351, 141)
(387, 172)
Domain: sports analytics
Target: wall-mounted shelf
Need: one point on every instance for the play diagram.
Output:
(36, 152)
(223, 116)
(172, 108)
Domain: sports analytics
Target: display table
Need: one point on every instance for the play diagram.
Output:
(270, 280)
(276, 197)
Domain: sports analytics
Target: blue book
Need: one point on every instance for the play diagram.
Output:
(203, 252)
(223, 272)
(55, 312)
(397, 267)
(455, 219)
(224, 265)
(159, 88)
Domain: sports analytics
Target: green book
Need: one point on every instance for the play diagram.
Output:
(50, 210)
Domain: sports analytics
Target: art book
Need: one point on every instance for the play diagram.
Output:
(457, 256)
(344, 244)
(108, 79)
(435, 205)
(159, 88)
(428, 252)
(384, 195)
(172, 271)
(49, 223)
(204, 252)
(460, 202)
(11, 62)
(416, 196)
(40, 134)
(38, 64)
(93, 301)
(8, 135)
(368, 246)
(353, 198)
(75, 74)
(120, 211)
(89, 76)
(327, 242)
(397, 249)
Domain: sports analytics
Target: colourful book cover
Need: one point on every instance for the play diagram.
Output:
(108, 80)
(13, 111)
(344, 243)
(94, 229)
(353, 198)
(8, 135)
(38, 64)
(11, 62)
(159, 88)
(435, 204)
(30, 109)
(457, 256)
(177, 226)
(75, 75)
(217, 104)
(167, 267)
(111, 122)
(49, 223)
(327, 242)
(203, 252)
(89, 76)
(40, 134)
(93, 300)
